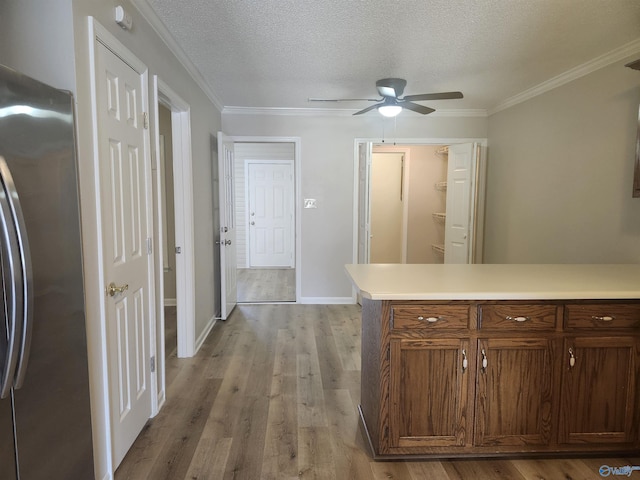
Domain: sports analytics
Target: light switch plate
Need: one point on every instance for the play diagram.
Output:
(310, 203)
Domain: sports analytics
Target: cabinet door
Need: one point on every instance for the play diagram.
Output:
(428, 392)
(514, 396)
(598, 390)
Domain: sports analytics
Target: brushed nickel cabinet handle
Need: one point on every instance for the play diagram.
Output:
(605, 318)
(517, 319)
(429, 319)
(465, 363)
(485, 362)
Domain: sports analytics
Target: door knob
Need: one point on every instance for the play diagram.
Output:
(112, 289)
(253, 223)
(227, 242)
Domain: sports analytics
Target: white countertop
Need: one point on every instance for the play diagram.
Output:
(495, 282)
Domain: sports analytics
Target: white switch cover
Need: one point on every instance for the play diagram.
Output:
(310, 203)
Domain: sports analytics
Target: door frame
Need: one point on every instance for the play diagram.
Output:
(480, 178)
(297, 210)
(247, 196)
(184, 229)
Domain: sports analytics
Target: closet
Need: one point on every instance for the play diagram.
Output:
(437, 192)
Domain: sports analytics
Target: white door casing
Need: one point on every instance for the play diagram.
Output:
(460, 203)
(364, 168)
(270, 214)
(124, 184)
(228, 259)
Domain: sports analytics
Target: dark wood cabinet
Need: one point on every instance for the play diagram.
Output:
(514, 392)
(487, 378)
(598, 395)
(428, 392)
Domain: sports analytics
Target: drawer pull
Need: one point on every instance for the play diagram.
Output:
(518, 319)
(484, 361)
(465, 363)
(429, 319)
(606, 318)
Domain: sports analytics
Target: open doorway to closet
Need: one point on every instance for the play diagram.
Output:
(420, 202)
(165, 165)
(266, 221)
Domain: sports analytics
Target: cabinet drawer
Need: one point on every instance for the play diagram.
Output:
(602, 315)
(507, 316)
(446, 317)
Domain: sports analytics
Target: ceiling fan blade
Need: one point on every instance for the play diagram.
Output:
(416, 108)
(368, 109)
(344, 99)
(434, 96)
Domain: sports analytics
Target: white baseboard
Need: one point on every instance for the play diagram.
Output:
(170, 302)
(200, 340)
(327, 300)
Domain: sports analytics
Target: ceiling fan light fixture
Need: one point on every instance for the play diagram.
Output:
(389, 110)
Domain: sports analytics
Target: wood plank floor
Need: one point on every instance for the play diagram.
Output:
(266, 285)
(272, 394)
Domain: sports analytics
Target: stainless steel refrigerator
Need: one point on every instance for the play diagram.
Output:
(45, 419)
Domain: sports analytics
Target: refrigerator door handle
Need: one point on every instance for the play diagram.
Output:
(11, 273)
(23, 282)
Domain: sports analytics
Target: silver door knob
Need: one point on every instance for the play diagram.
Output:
(253, 223)
(227, 242)
(112, 289)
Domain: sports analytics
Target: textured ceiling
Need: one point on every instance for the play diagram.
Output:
(278, 53)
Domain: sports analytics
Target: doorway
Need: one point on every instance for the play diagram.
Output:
(438, 188)
(165, 171)
(266, 173)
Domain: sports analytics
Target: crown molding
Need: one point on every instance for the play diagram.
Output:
(150, 16)
(337, 112)
(570, 75)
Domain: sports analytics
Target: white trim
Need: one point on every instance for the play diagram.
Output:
(327, 300)
(184, 228)
(297, 156)
(150, 16)
(337, 112)
(570, 75)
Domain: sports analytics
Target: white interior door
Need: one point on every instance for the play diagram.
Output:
(228, 259)
(125, 201)
(460, 198)
(270, 187)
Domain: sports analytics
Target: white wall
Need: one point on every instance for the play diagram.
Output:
(327, 158)
(560, 174)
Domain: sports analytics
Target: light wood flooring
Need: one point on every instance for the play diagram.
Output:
(256, 285)
(272, 394)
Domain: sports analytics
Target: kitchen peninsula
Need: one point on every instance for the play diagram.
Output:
(499, 360)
